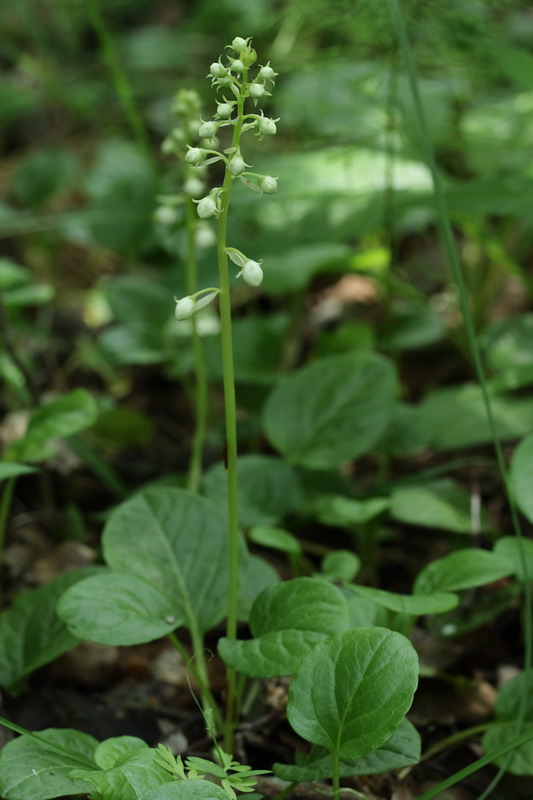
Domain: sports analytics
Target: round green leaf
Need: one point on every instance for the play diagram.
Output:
(508, 547)
(352, 691)
(276, 538)
(331, 411)
(438, 504)
(463, 569)
(521, 476)
(340, 565)
(415, 604)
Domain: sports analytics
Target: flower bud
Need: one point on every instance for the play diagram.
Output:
(206, 208)
(256, 90)
(165, 215)
(194, 186)
(194, 155)
(207, 130)
(267, 126)
(236, 165)
(267, 73)
(252, 273)
(224, 110)
(204, 236)
(217, 70)
(268, 184)
(185, 308)
(239, 44)
(248, 56)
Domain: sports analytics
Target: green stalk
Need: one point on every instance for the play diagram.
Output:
(447, 235)
(120, 79)
(5, 505)
(336, 773)
(199, 673)
(200, 388)
(231, 424)
(476, 765)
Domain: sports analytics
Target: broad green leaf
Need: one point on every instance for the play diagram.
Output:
(521, 476)
(337, 510)
(400, 750)
(340, 565)
(256, 575)
(352, 691)
(268, 489)
(507, 710)
(71, 413)
(463, 569)
(271, 655)
(521, 760)
(292, 270)
(31, 633)
(306, 604)
(509, 548)
(416, 604)
(43, 174)
(276, 538)
(286, 620)
(364, 613)
(169, 544)
(111, 752)
(187, 790)
(9, 469)
(117, 609)
(38, 767)
(455, 417)
(440, 504)
(132, 779)
(332, 411)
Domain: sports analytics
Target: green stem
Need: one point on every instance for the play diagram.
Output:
(120, 79)
(5, 505)
(199, 673)
(455, 266)
(231, 425)
(336, 774)
(518, 741)
(200, 388)
(453, 739)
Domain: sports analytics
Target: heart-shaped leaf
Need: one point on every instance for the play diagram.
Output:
(351, 692)
(331, 411)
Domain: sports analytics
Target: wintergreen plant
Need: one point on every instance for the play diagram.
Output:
(236, 87)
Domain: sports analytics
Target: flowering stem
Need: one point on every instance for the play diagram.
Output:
(231, 427)
(200, 389)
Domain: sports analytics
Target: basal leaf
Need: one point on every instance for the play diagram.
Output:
(441, 504)
(31, 633)
(521, 476)
(287, 620)
(64, 416)
(170, 545)
(268, 489)
(272, 655)
(352, 691)
(416, 604)
(521, 760)
(331, 411)
(400, 750)
(507, 710)
(116, 609)
(111, 752)
(38, 767)
(187, 790)
(508, 548)
(340, 565)
(305, 604)
(337, 510)
(132, 779)
(275, 538)
(463, 569)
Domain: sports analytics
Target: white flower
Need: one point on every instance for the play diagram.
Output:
(236, 165)
(165, 215)
(206, 208)
(204, 236)
(267, 73)
(185, 308)
(237, 65)
(224, 110)
(207, 130)
(194, 187)
(252, 273)
(239, 44)
(268, 184)
(267, 126)
(256, 90)
(217, 70)
(194, 155)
